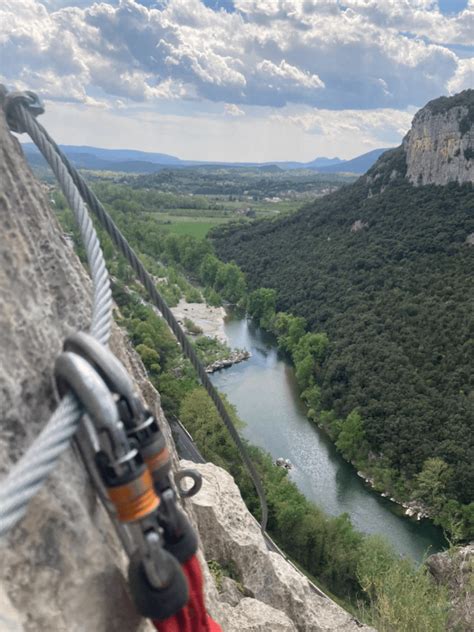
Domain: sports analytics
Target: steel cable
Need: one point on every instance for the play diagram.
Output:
(28, 475)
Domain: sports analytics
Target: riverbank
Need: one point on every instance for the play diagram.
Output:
(411, 509)
(210, 323)
(209, 319)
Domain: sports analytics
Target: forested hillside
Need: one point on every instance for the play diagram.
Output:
(385, 270)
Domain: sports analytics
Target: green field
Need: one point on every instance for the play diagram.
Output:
(198, 222)
(192, 202)
(195, 227)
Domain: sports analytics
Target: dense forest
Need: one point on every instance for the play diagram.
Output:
(384, 270)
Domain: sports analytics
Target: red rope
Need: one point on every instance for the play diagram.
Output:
(193, 617)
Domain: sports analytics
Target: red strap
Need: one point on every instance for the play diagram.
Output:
(193, 617)
(213, 626)
(197, 608)
(179, 622)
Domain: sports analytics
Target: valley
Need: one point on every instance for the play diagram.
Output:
(365, 290)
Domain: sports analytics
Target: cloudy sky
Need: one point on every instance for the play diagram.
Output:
(236, 79)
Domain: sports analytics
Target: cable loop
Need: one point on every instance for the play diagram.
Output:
(29, 100)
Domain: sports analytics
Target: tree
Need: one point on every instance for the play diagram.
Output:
(261, 306)
(351, 439)
(308, 354)
(208, 270)
(230, 282)
(150, 358)
(431, 482)
(289, 330)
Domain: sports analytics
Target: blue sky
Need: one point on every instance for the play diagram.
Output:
(236, 79)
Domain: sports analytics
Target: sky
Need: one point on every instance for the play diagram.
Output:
(240, 80)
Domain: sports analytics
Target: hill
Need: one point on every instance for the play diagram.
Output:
(384, 268)
(359, 164)
(133, 161)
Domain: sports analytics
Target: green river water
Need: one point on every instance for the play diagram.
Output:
(265, 393)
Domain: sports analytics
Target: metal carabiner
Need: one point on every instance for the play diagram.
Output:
(128, 482)
(109, 368)
(27, 98)
(141, 426)
(75, 373)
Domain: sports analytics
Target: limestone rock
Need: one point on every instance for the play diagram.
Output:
(358, 225)
(455, 570)
(230, 534)
(440, 145)
(251, 615)
(63, 567)
(230, 592)
(10, 620)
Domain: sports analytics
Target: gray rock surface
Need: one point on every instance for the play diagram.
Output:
(251, 615)
(230, 534)
(10, 619)
(455, 570)
(436, 149)
(229, 592)
(62, 567)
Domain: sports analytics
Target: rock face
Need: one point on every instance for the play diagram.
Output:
(456, 571)
(63, 568)
(231, 535)
(440, 145)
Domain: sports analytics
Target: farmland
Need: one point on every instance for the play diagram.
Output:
(193, 201)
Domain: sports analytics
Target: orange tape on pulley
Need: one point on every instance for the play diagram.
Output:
(136, 499)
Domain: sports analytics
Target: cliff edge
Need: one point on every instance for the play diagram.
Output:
(440, 145)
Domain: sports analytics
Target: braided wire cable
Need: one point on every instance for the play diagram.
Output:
(28, 475)
(127, 251)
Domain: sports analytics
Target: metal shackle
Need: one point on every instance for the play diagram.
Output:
(72, 372)
(109, 368)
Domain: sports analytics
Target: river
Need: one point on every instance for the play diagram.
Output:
(265, 393)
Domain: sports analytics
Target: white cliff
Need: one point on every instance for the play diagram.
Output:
(440, 145)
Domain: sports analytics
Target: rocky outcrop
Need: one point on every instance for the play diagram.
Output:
(440, 145)
(250, 615)
(455, 570)
(358, 225)
(231, 536)
(238, 355)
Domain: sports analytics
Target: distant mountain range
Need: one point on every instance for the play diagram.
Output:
(359, 164)
(134, 161)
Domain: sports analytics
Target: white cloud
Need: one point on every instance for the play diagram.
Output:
(463, 77)
(377, 127)
(274, 79)
(233, 110)
(286, 73)
(359, 53)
